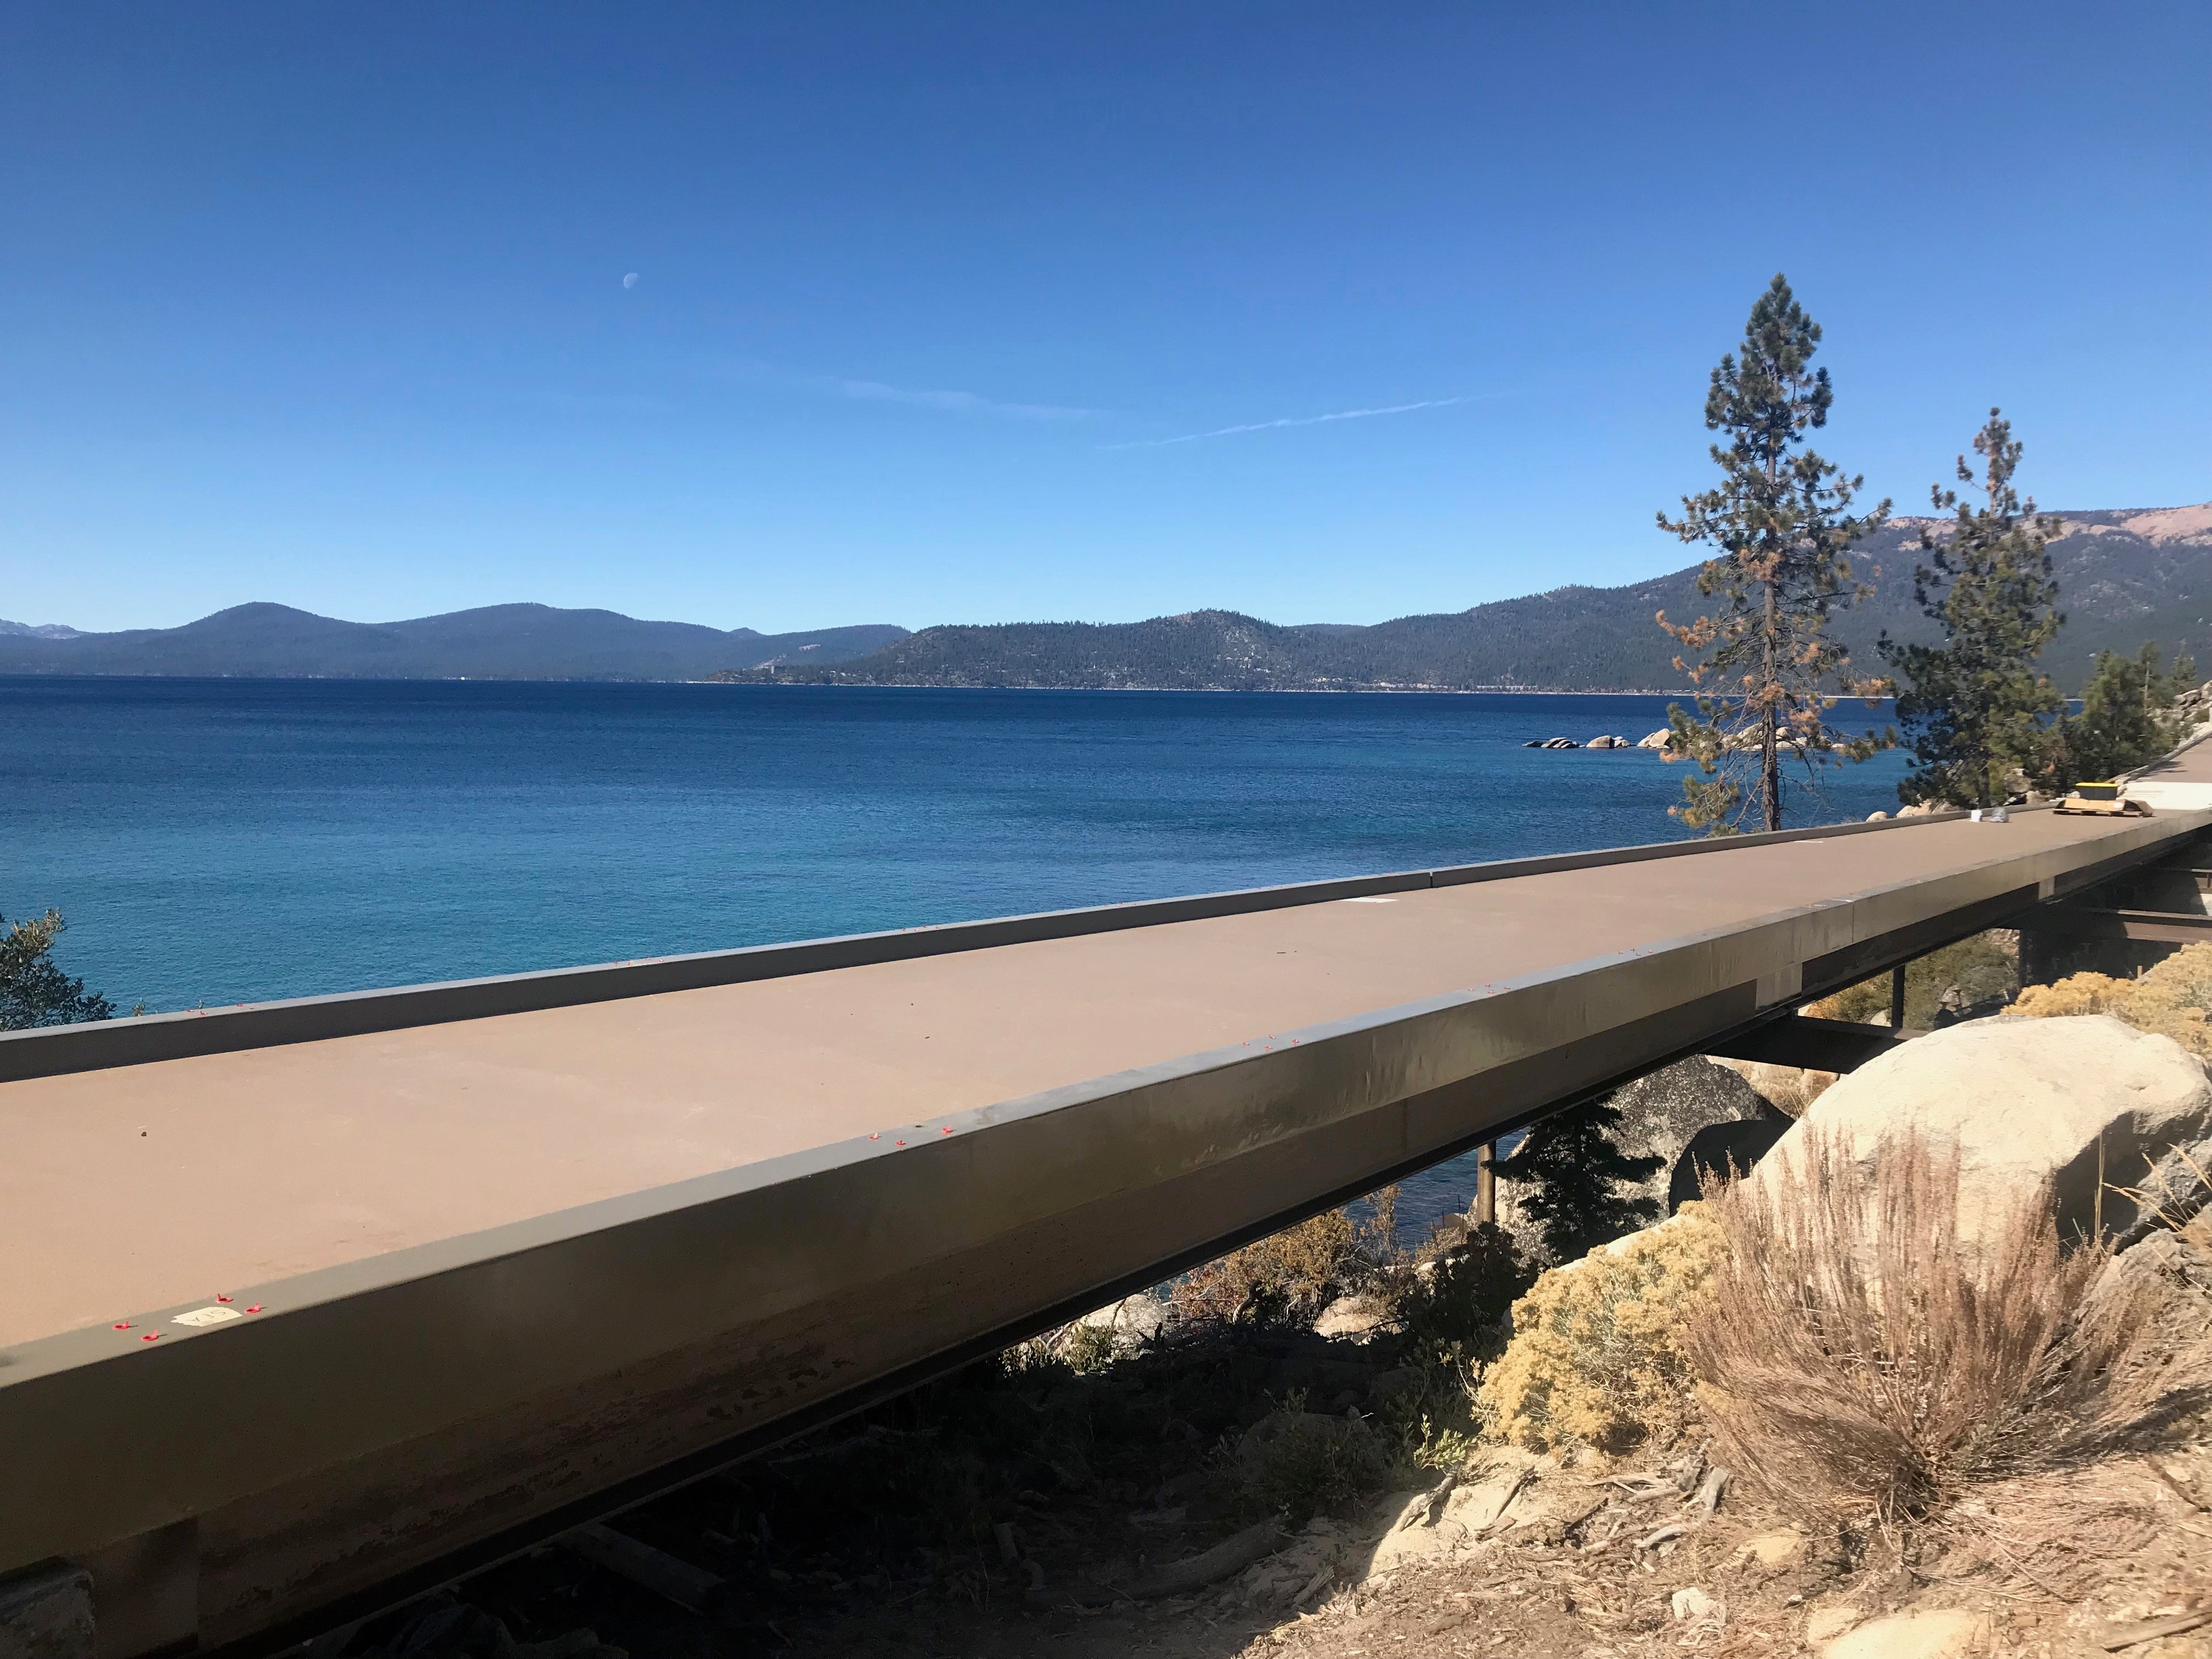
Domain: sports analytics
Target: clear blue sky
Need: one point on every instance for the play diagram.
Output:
(325, 304)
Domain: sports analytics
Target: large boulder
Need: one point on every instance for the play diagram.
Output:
(2069, 1108)
(1692, 1115)
(1789, 1089)
(2177, 1191)
(2166, 1279)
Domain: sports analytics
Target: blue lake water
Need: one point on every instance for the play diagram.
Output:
(214, 841)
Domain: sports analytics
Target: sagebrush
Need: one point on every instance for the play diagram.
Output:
(1598, 1356)
(2170, 999)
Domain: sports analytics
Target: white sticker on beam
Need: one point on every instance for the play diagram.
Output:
(205, 1316)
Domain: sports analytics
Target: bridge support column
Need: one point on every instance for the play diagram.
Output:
(1486, 1184)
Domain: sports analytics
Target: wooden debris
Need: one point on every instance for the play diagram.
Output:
(2131, 1635)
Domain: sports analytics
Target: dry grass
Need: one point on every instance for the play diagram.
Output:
(1859, 1358)
(1291, 1276)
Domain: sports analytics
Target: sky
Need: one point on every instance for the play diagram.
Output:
(795, 316)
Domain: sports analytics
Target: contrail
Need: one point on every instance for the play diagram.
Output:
(1298, 420)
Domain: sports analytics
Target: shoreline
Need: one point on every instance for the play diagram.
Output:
(817, 685)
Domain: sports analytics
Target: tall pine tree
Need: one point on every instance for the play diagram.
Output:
(2127, 718)
(1764, 665)
(1974, 706)
(1574, 1172)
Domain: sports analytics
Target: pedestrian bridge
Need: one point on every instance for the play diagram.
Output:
(311, 1304)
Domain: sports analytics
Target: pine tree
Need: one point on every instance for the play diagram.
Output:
(1973, 706)
(2127, 718)
(1764, 665)
(1573, 1167)
(33, 991)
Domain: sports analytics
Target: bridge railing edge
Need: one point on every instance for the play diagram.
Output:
(98, 1045)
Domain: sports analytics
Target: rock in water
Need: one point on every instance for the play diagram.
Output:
(2071, 1103)
(1658, 740)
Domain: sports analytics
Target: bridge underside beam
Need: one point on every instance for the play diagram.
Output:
(2073, 921)
(1819, 1045)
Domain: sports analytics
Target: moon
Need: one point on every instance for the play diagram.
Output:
(631, 281)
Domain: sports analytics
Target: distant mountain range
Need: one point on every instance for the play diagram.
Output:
(497, 643)
(2124, 577)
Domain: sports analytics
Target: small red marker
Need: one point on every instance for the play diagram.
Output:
(122, 1324)
(223, 1298)
(876, 1136)
(948, 1128)
(902, 1143)
(151, 1336)
(256, 1307)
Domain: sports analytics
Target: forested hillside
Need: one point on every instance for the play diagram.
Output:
(500, 642)
(2124, 577)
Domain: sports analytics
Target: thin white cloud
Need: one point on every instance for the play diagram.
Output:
(956, 402)
(1299, 420)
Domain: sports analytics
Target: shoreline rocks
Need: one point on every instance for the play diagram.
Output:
(1607, 740)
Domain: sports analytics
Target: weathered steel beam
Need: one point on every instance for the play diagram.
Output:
(2138, 927)
(1819, 1045)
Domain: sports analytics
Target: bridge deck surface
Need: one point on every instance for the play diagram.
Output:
(145, 1185)
(2179, 781)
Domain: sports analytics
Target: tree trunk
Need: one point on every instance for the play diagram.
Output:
(1769, 759)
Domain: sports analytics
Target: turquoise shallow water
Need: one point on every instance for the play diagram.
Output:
(225, 840)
